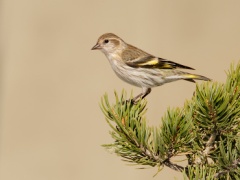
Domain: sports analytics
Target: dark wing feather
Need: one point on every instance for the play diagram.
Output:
(190, 80)
(174, 65)
(154, 62)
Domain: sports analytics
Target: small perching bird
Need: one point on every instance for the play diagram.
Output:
(139, 68)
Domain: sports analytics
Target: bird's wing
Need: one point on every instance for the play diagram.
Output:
(154, 62)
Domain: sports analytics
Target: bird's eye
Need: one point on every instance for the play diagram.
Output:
(106, 41)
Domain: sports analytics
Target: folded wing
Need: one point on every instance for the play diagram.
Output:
(154, 62)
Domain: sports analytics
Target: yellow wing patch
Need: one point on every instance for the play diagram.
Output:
(192, 76)
(154, 62)
(166, 66)
(150, 62)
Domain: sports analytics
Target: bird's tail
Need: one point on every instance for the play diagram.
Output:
(192, 77)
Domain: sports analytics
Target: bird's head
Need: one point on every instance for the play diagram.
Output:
(109, 43)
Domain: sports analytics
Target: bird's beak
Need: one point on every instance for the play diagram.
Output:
(97, 46)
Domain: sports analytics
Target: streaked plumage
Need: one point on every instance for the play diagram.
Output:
(139, 68)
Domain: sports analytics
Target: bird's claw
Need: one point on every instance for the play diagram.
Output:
(132, 101)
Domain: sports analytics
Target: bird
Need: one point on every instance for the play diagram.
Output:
(140, 68)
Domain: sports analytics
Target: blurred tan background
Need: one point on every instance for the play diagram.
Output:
(51, 126)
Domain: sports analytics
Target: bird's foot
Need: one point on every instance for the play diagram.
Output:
(132, 101)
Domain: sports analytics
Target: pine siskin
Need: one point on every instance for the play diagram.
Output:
(139, 68)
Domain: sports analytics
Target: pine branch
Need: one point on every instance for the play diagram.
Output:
(206, 130)
(234, 166)
(210, 143)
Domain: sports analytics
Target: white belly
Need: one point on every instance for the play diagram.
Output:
(140, 77)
